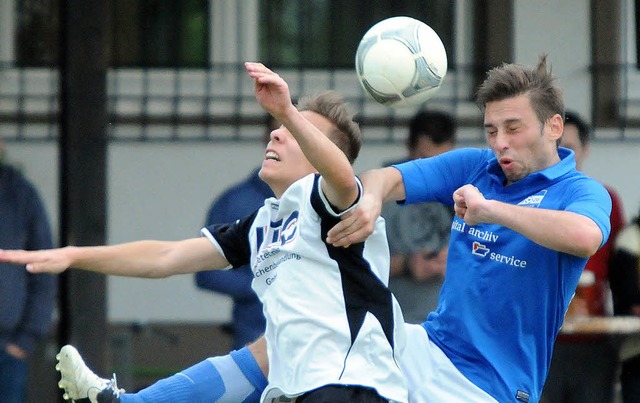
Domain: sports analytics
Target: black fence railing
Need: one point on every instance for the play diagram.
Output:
(217, 104)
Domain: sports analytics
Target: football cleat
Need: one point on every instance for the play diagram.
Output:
(79, 382)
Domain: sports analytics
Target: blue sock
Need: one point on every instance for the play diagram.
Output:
(231, 378)
(251, 371)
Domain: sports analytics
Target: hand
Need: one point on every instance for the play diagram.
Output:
(15, 351)
(469, 204)
(357, 224)
(271, 91)
(42, 261)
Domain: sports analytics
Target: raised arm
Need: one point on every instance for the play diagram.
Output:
(563, 231)
(151, 259)
(272, 92)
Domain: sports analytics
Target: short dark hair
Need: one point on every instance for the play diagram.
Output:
(332, 106)
(584, 130)
(439, 127)
(512, 80)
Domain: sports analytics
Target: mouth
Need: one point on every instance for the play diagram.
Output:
(506, 162)
(271, 156)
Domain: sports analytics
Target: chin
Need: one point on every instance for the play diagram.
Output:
(264, 176)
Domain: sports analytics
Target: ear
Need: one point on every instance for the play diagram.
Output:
(555, 127)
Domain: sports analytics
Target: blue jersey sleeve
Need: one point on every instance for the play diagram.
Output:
(436, 178)
(590, 198)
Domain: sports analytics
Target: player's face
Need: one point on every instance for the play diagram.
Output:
(284, 161)
(520, 142)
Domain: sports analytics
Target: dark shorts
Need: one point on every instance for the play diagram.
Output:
(342, 394)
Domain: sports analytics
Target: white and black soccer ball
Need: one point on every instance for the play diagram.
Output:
(401, 62)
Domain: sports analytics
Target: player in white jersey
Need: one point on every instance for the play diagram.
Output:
(330, 317)
(333, 328)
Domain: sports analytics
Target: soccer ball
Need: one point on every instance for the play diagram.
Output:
(401, 62)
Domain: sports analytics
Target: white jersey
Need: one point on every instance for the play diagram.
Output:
(330, 317)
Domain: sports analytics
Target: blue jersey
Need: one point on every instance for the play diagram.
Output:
(504, 297)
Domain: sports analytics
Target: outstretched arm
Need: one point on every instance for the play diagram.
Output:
(272, 92)
(380, 185)
(152, 259)
(563, 231)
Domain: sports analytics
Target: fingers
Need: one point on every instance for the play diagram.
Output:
(338, 235)
(271, 90)
(14, 256)
(34, 268)
(261, 73)
(45, 267)
(253, 67)
(356, 225)
(460, 211)
(34, 261)
(357, 236)
(349, 231)
(343, 241)
(19, 257)
(460, 204)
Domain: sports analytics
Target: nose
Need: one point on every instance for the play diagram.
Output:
(276, 135)
(500, 141)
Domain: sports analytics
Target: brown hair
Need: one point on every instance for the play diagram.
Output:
(332, 106)
(512, 80)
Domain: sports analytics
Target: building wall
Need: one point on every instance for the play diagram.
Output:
(162, 191)
(564, 35)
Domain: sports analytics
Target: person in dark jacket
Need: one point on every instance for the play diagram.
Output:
(26, 300)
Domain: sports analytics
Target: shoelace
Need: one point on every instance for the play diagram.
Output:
(113, 385)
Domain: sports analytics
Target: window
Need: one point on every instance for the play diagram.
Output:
(326, 33)
(159, 33)
(37, 32)
(140, 33)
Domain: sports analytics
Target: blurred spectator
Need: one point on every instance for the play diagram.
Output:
(624, 278)
(418, 234)
(240, 200)
(26, 300)
(583, 368)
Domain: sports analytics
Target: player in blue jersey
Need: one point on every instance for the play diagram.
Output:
(334, 332)
(526, 223)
